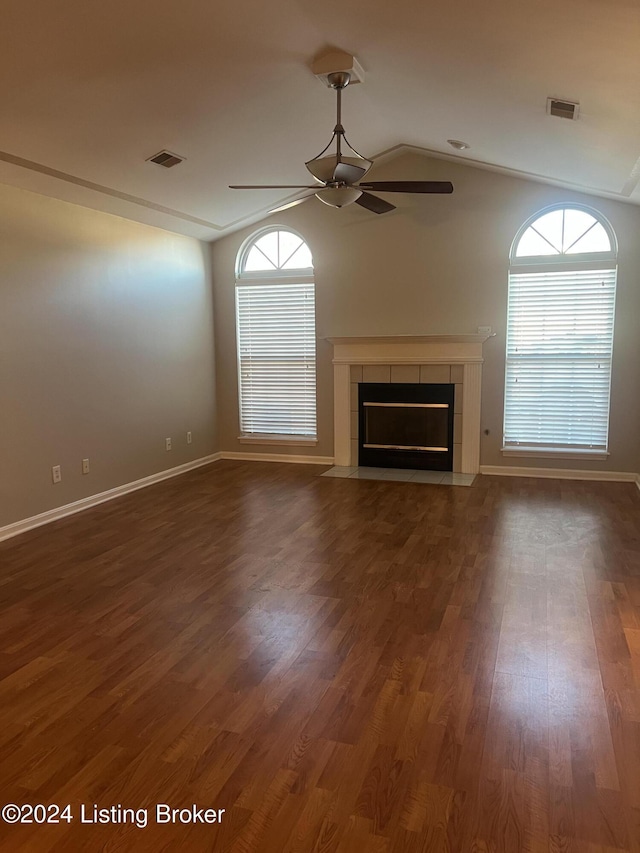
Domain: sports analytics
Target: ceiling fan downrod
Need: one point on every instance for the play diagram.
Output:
(338, 80)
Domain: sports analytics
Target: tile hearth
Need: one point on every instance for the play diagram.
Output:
(405, 475)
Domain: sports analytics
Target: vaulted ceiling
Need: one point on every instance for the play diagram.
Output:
(89, 91)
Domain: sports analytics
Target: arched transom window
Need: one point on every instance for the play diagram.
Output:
(276, 250)
(563, 231)
(562, 284)
(276, 335)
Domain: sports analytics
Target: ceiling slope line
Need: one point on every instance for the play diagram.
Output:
(234, 224)
(632, 181)
(381, 157)
(622, 195)
(90, 185)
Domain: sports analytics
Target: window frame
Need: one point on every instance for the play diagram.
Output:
(585, 261)
(276, 277)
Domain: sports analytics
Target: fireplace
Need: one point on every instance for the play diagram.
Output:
(420, 359)
(406, 425)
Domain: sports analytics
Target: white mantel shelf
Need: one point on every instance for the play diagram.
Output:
(410, 349)
(411, 339)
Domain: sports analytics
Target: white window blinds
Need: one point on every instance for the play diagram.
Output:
(559, 347)
(277, 358)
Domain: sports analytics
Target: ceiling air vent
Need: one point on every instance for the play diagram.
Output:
(166, 159)
(563, 109)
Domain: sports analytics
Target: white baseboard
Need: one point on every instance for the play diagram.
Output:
(276, 457)
(26, 524)
(561, 474)
(93, 500)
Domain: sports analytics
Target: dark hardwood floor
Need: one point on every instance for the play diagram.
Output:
(341, 665)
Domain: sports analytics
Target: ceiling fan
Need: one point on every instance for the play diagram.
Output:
(340, 175)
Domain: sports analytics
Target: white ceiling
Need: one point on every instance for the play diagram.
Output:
(89, 90)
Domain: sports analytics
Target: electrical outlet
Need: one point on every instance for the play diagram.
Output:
(484, 330)
(85, 466)
(56, 474)
(189, 437)
(167, 444)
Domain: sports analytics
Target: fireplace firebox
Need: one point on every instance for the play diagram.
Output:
(406, 425)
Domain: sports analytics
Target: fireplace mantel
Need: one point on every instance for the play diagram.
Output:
(411, 339)
(408, 349)
(461, 350)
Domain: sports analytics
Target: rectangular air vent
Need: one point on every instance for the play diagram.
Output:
(563, 109)
(166, 159)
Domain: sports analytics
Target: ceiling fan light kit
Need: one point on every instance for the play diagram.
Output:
(338, 172)
(338, 196)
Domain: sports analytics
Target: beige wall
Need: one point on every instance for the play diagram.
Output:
(106, 348)
(438, 265)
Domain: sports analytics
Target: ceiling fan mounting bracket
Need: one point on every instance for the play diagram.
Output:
(337, 62)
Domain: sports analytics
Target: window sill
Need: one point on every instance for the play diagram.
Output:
(293, 440)
(549, 453)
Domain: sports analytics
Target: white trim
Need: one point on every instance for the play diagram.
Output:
(276, 457)
(34, 521)
(471, 403)
(293, 440)
(342, 414)
(26, 524)
(278, 277)
(529, 264)
(550, 453)
(561, 474)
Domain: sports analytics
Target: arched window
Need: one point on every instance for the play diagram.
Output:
(562, 284)
(275, 315)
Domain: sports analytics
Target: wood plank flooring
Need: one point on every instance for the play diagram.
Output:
(343, 667)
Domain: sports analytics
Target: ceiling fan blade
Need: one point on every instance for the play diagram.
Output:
(349, 173)
(272, 187)
(290, 204)
(408, 186)
(375, 204)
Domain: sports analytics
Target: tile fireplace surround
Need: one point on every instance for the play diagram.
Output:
(410, 358)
